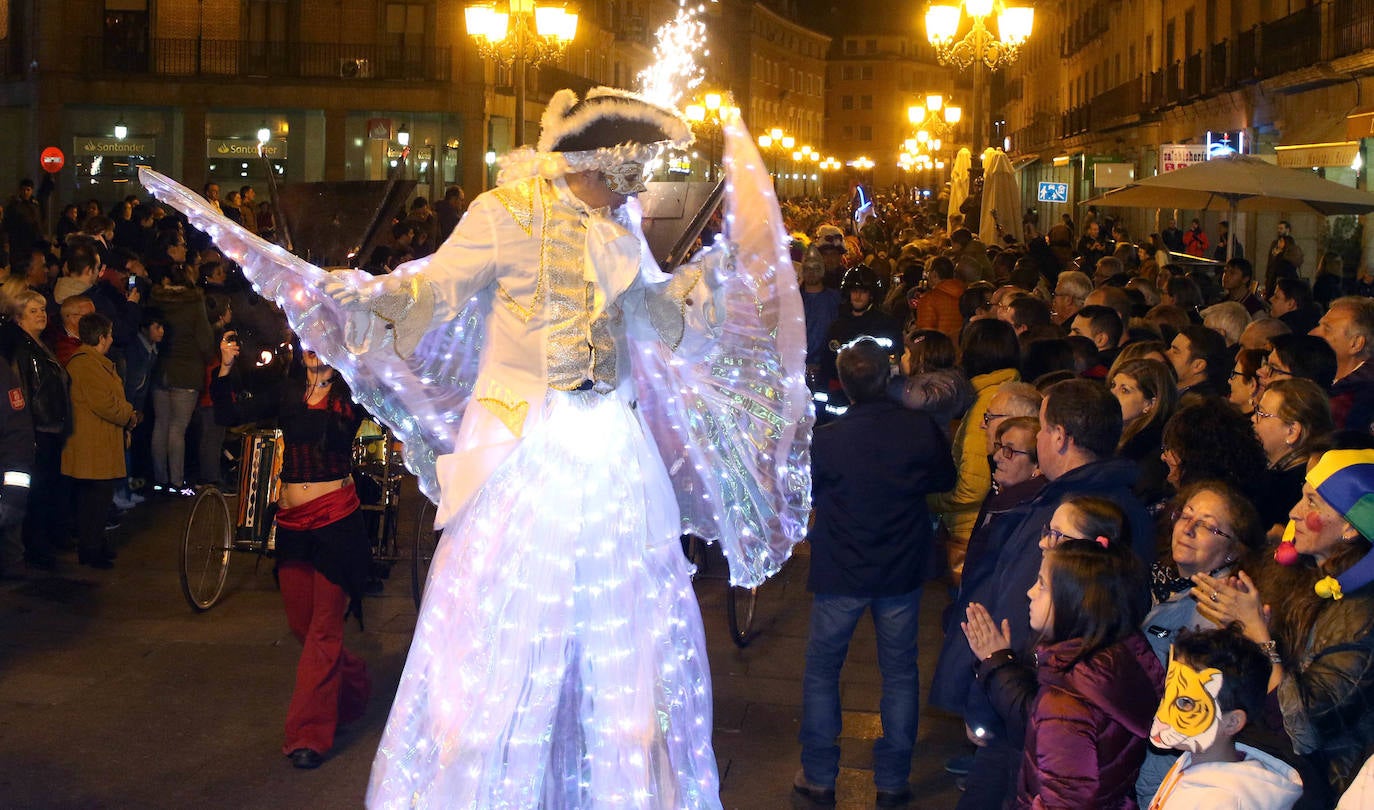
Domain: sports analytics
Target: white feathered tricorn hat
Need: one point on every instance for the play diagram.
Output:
(607, 118)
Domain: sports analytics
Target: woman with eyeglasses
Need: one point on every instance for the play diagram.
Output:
(1288, 416)
(1147, 393)
(1244, 380)
(1298, 356)
(989, 356)
(1315, 619)
(1016, 481)
(1213, 529)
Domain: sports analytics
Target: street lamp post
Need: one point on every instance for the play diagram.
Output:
(710, 112)
(978, 47)
(778, 143)
(827, 166)
(865, 165)
(524, 35)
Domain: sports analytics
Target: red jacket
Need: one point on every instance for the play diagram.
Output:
(938, 309)
(1085, 738)
(1195, 242)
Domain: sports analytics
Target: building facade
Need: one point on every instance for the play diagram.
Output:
(1148, 85)
(872, 78)
(336, 84)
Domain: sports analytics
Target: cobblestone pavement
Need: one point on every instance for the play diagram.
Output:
(114, 694)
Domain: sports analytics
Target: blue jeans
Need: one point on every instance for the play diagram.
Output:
(833, 619)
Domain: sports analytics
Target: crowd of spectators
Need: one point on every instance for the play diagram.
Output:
(1127, 458)
(113, 319)
(1144, 442)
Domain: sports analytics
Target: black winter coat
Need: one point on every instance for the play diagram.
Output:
(1018, 562)
(44, 382)
(871, 471)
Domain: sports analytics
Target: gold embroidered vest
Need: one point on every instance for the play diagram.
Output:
(580, 347)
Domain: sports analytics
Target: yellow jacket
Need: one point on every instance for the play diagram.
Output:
(959, 507)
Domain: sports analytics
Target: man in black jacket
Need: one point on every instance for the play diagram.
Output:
(871, 549)
(1080, 425)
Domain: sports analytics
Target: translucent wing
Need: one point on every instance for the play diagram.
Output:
(735, 429)
(420, 398)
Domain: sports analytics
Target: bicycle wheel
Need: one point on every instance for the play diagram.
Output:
(422, 550)
(205, 547)
(694, 548)
(741, 604)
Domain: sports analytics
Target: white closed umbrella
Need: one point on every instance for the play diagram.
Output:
(1001, 213)
(958, 180)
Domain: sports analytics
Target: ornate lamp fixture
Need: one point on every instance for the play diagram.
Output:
(522, 35)
(943, 22)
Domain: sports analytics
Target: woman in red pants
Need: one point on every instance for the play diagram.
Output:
(322, 550)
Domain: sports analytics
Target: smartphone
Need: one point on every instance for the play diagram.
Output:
(133, 283)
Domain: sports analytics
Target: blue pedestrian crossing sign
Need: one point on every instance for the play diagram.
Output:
(1053, 192)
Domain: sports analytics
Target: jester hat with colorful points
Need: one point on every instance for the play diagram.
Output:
(1345, 479)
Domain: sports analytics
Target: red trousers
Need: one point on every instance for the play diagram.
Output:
(332, 686)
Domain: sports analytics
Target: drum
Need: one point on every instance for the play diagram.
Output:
(259, 487)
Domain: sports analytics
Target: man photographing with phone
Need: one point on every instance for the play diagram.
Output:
(118, 296)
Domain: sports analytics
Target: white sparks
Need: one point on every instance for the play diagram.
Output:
(675, 71)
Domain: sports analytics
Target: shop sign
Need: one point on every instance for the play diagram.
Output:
(1177, 155)
(244, 148)
(92, 147)
(1230, 142)
(1113, 175)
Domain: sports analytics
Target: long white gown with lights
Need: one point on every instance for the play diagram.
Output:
(558, 660)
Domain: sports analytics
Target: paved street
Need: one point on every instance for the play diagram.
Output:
(113, 694)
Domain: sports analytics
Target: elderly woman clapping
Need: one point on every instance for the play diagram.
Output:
(1320, 636)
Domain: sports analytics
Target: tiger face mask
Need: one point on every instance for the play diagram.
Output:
(1188, 717)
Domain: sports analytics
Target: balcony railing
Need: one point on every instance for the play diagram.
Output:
(1291, 42)
(1074, 121)
(1218, 67)
(1192, 75)
(1247, 55)
(269, 60)
(1354, 31)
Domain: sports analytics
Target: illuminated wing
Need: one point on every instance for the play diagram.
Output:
(735, 429)
(420, 398)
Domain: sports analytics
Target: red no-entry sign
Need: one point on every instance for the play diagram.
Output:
(52, 160)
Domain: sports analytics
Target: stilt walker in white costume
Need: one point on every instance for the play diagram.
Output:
(575, 409)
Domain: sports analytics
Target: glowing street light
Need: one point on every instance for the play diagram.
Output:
(1014, 24)
(523, 35)
(978, 46)
(711, 112)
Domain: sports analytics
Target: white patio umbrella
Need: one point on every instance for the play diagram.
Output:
(1001, 199)
(1236, 183)
(958, 180)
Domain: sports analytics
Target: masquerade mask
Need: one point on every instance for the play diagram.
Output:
(626, 178)
(1188, 716)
